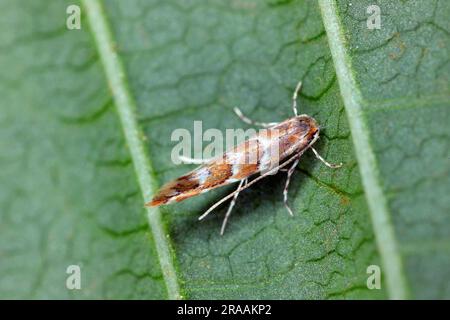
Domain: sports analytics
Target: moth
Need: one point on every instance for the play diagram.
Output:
(293, 137)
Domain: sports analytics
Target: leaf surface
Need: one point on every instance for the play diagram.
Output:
(88, 140)
(69, 194)
(395, 84)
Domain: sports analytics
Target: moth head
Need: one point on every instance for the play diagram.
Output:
(307, 125)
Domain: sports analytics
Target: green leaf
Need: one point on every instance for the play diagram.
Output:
(251, 55)
(395, 85)
(87, 141)
(69, 194)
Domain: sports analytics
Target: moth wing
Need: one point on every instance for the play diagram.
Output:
(201, 179)
(234, 165)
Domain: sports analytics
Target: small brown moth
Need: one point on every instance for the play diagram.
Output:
(291, 137)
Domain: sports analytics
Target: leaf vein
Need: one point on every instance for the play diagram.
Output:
(126, 108)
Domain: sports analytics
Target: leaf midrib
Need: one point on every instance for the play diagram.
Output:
(353, 101)
(134, 136)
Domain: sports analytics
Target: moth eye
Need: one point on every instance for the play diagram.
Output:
(303, 125)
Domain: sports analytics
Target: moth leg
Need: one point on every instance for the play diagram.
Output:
(330, 165)
(251, 122)
(230, 208)
(192, 160)
(262, 176)
(286, 187)
(294, 97)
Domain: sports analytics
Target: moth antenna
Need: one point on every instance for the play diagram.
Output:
(252, 122)
(192, 160)
(294, 97)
